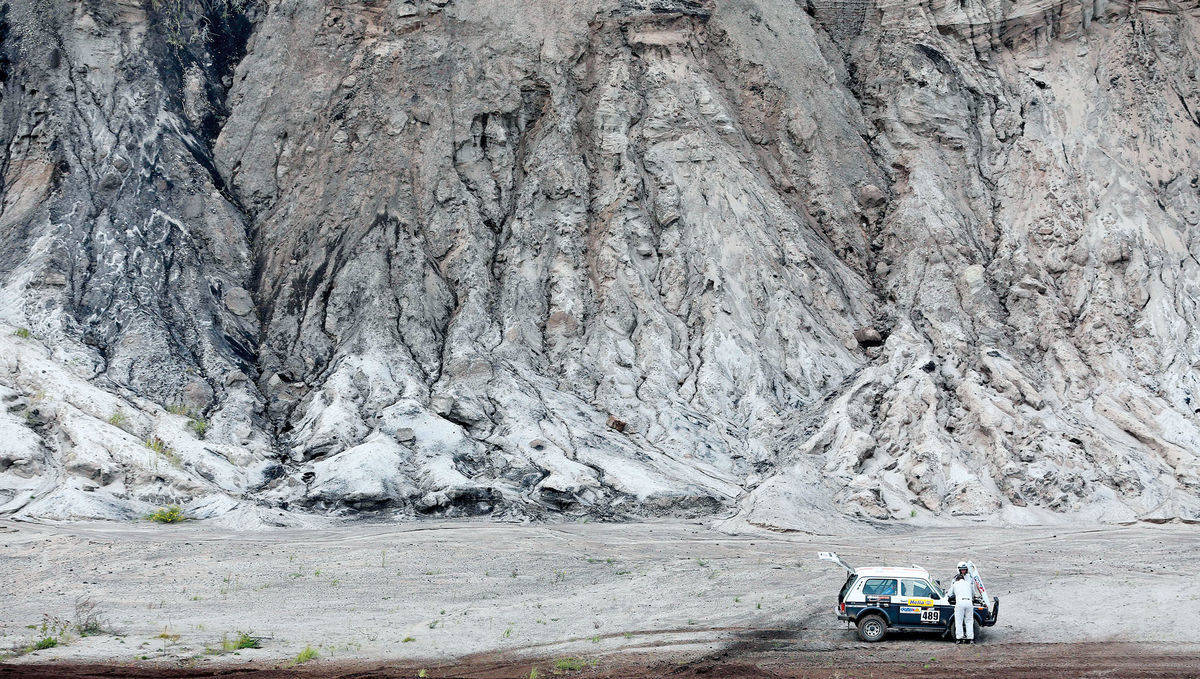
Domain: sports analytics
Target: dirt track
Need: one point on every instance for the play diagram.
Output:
(755, 658)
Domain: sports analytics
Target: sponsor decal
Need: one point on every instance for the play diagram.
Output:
(909, 609)
(876, 599)
(915, 601)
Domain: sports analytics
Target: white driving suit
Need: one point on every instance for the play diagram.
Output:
(964, 617)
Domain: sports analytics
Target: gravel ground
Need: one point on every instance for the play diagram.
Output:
(495, 598)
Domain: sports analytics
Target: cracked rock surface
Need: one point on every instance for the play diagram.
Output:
(795, 264)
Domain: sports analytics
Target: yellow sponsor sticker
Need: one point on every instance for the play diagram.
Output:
(914, 601)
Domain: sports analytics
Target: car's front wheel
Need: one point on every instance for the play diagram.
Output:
(872, 628)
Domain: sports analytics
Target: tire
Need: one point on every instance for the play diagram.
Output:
(872, 628)
(978, 631)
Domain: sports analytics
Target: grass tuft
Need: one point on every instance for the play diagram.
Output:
(23, 333)
(160, 446)
(242, 640)
(199, 425)
(309, 653)
(573, 664)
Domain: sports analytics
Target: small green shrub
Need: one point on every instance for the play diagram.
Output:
(118, 418)
(172, 514)
(199, 425)
(178, 410)
(309, 653)
(407, 640)
(242, 640)
(23, 333)
(44, 643)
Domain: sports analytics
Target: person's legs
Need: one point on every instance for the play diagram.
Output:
(964, 621)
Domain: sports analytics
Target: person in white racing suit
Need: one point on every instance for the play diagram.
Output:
(963, 594)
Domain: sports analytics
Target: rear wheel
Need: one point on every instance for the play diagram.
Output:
(872, 628)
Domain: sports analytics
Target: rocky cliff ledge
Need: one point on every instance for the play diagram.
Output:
(805, 263)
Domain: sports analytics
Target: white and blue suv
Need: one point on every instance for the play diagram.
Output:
(883, 599)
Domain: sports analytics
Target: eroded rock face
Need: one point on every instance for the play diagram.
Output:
(892, 261)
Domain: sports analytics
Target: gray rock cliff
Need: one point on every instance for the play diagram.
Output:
(796, 264)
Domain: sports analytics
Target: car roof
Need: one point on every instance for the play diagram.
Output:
(893, 572)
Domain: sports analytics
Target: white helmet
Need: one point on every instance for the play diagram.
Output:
(962, 565)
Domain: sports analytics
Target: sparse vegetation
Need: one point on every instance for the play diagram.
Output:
(160, 446)
(172, 514)
(309, 653)
(242, 640)
(89, 621)
(407, 640)
(51, 632)
(236, 643)
(118, 418)
(179, 410)
(573, 664)
(23, 333)
(199, 425)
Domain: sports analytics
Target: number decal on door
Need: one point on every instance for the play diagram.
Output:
(929, 615)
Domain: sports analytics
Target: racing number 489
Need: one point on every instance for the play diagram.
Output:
(929, 615)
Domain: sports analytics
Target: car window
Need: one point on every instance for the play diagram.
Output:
(846, 587)
(921, 588)
(879, 587)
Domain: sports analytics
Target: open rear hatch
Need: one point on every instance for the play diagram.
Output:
(850, 575)
(830, 556)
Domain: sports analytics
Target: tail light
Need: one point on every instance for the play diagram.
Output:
(842, 606)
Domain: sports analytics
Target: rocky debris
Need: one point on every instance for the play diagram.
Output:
(916, 263)
(868, 337)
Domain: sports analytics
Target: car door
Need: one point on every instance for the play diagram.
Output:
(882, 592)
(917, 604)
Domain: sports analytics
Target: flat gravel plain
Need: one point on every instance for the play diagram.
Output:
(480, 598)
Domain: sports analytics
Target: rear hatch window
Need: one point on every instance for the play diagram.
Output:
(846, 587)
